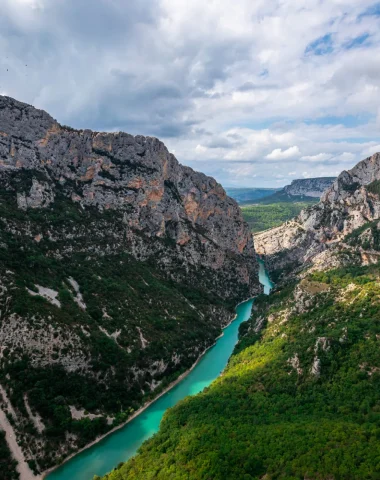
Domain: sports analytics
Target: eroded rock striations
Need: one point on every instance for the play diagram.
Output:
(320, 235)
(118, 267)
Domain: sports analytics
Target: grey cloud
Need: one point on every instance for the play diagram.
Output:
(249, 86)
(102, 65)
(227, 142)
(128, 65)
(102, 21)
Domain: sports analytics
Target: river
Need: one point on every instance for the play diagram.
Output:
(123, 443)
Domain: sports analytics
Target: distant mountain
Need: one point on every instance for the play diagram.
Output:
(303, 189)
(310, 187)
(245, 195)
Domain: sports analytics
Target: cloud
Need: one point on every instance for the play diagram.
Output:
(320, 157)
(230, 87)
(279, 154)
(250, 86)
(368, 152)
(345, 157)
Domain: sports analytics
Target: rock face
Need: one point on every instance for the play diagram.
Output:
(317, 235)
(118, 267)
(159, 198)
(309, 187)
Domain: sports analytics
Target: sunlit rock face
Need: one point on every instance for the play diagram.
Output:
(317, 235)
(161, 200)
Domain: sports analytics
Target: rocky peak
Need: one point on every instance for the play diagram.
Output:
(363, 173)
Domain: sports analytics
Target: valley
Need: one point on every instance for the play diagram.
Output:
(189, 240)
(124, 443)
(299, 395)
(264, 216)
(283, 204)
(120, 269)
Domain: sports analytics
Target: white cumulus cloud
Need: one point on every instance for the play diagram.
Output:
(279, 154)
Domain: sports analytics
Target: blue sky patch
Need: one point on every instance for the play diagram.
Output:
(356, 42)
(348, 121)
(373, 11)
(320, 46)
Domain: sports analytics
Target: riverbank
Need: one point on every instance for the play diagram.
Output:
(46, 473)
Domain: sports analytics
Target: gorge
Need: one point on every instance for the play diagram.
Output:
(299, 396)
(119, 267)
(123, 444)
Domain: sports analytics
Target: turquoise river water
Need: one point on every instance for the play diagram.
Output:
(123, 443)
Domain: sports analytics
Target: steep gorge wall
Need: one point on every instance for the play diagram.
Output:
(118, 268)
(317, 235)
(159, 198)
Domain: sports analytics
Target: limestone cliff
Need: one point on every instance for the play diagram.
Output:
(309, 187)
(159, 198)
(118, 267)
(317, 236)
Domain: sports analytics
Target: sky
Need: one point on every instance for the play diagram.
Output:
(254, 93)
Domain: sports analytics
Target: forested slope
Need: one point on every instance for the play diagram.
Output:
(263, 216)
(298, 400)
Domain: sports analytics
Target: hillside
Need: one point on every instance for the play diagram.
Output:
(118, 267)
(310, 187)
(299, 398)
(307, 190)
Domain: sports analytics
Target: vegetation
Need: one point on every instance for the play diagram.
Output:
(7, 463)
(88, 352)
(374, 187)
(283, 197)
(367, 236)
(299, 399)
(261, 217)
(242, 195)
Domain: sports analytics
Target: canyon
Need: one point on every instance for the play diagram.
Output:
(119, 267)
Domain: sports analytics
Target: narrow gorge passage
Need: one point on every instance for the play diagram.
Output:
(124, 443)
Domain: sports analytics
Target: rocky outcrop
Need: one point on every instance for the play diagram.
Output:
(317, 235)
(309, 187)
(159, 198)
